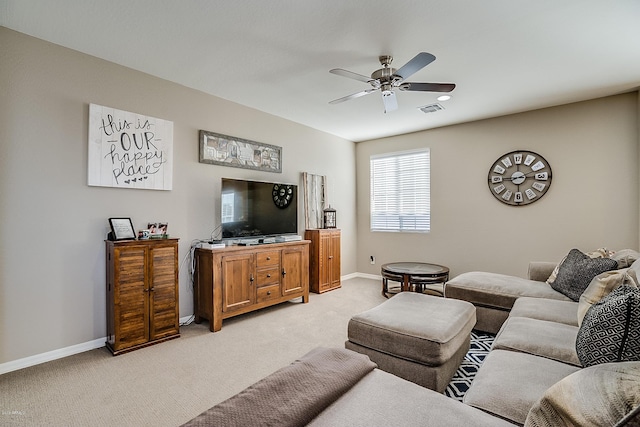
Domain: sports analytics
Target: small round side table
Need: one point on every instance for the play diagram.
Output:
(414, 276)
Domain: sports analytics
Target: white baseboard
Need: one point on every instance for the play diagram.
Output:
(349, 276)
(51, 355)
(366, 276)
(26, 362)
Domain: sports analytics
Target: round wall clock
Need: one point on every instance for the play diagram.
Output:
(282, 195)
(519, 178)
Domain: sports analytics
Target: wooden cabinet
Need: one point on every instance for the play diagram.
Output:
(142, 293)
(240, 279)
(238, 268)
(324, 259)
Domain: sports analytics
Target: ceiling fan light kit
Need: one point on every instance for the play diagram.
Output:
(386, 79)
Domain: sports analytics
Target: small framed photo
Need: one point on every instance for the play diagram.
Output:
(122, 229)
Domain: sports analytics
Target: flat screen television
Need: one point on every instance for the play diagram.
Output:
(253, 209)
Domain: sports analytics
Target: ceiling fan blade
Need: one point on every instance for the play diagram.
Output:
(352, 96)
(351, 75)
(427, 87)
(418, 62)
(390, 101)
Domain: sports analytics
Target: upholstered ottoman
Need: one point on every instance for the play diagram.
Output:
(420, 338)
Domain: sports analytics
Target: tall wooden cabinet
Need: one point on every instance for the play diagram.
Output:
(324, 259)
(142, 293)
(240, 279)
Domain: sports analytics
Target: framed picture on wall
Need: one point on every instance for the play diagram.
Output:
(224, 150)
(121, 229)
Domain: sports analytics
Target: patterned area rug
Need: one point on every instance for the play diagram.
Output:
(480, 346)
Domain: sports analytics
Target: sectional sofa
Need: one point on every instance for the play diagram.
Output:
(536, 374)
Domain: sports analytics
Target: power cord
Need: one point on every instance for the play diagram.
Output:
(190, 258)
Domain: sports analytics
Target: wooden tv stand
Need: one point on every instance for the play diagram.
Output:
(239, 279)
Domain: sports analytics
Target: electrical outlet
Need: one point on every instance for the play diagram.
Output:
(372, 259)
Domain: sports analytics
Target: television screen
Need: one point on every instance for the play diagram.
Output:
(253, 209)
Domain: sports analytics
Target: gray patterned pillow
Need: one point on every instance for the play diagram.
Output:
(610, 331)
(577, 271)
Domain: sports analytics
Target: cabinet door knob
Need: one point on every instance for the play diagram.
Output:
(268, 258)
(331, 257)
(269, 275)
(251, 278)
(268, 292)
(284, 273)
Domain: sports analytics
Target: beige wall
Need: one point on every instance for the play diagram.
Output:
(593, 200)
(52, 225)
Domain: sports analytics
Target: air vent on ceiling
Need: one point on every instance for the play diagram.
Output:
(431, 108)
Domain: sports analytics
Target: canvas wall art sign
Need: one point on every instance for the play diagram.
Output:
(129, 150)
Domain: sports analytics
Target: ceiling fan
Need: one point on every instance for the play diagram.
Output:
(386, 79)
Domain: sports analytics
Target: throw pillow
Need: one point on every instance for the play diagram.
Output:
(554, 273)
(602, 285)
(598, 253)
(610, 330)
(577, 271)
(635, 266)
(601, 395)
(625, 257)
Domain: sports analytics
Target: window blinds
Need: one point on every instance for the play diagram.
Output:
(400, 187)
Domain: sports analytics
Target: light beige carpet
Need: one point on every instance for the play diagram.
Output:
(172, 382)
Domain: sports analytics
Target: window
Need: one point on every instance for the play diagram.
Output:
(228, 202)
(400, 199)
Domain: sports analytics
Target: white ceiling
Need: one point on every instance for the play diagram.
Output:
(505, 56)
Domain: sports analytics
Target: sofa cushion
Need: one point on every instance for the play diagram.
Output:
(596, 396)
(539, 337)
(577, 271)
(509, 383)
(383, 399)
(610, 331)
(546, 309)
(496, 290)
(602, 285)
(540, 270)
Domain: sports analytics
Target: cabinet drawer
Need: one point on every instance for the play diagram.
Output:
(267, 293)
(268, 258)
(268, 276)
